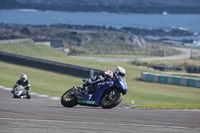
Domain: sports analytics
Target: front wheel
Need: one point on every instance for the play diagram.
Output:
(14, 96)
(69, 99)
(111, 99)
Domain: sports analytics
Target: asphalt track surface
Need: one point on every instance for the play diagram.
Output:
(185, 54)
(44, 115)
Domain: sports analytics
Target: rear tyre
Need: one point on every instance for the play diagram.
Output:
(28, 96)
(110, 99)
(69, 99)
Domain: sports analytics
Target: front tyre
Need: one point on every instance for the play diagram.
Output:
(69, 99)
(111, 99)
(14, 96)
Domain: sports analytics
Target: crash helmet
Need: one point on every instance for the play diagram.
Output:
(120, 71)
(108, 74)
(23, 77)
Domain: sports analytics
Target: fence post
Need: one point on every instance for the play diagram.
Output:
(164, 52)
(91, 73)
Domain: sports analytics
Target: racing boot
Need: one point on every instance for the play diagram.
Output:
(82, 86)
(78, 92)
(28, 95)
(75, 89)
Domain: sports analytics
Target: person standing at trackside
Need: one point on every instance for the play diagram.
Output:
(24, 82)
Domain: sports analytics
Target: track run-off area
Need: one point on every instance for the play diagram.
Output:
(46, 114)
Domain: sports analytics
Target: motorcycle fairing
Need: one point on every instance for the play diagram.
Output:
(94, 98)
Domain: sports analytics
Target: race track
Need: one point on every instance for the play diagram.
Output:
(41, 114)
(185, 54)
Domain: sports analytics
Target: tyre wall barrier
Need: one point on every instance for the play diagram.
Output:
(150, 77)
(144, 76)
(193, 69)
(156, 78)
(167, 68)
(191, 82)
(183, 81)
(173, 80)
(64, 68)
(170, 80)
(163, 79)
(176, 80)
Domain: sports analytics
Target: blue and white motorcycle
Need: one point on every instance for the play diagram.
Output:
(106, 94)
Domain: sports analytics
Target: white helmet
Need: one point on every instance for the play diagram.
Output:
(120, 71)
(23, 77)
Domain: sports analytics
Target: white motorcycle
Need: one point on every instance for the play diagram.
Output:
(21, 92)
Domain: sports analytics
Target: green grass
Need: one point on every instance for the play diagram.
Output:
(28, 48)
(115, 50)
(169, 106)
(117, 55)
(55, 84)
(43, 82)
(180, 62)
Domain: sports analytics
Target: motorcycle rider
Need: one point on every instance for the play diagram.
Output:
(24, 82)
(119, 71)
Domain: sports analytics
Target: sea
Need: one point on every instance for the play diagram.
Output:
(164, 20)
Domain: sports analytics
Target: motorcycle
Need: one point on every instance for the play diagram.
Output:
(106, 94)
(20, 92)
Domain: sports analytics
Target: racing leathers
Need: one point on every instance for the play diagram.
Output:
(25, 84)
(96, 79)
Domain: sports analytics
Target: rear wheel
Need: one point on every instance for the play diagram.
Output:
(28, 96)
(69, 99)
(111, 99)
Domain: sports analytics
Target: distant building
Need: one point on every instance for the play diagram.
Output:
(58, 44)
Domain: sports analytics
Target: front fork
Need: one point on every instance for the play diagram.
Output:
(78, 91)
(112, 93)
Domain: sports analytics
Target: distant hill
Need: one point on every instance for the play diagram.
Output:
(118, 6)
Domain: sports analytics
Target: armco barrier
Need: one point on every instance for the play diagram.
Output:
(54, 66)
(167, 79)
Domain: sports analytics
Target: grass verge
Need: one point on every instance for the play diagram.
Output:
(169, 106)
(55, 84)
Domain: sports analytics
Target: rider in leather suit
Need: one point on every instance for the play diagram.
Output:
(107, 74)
(24, 82)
